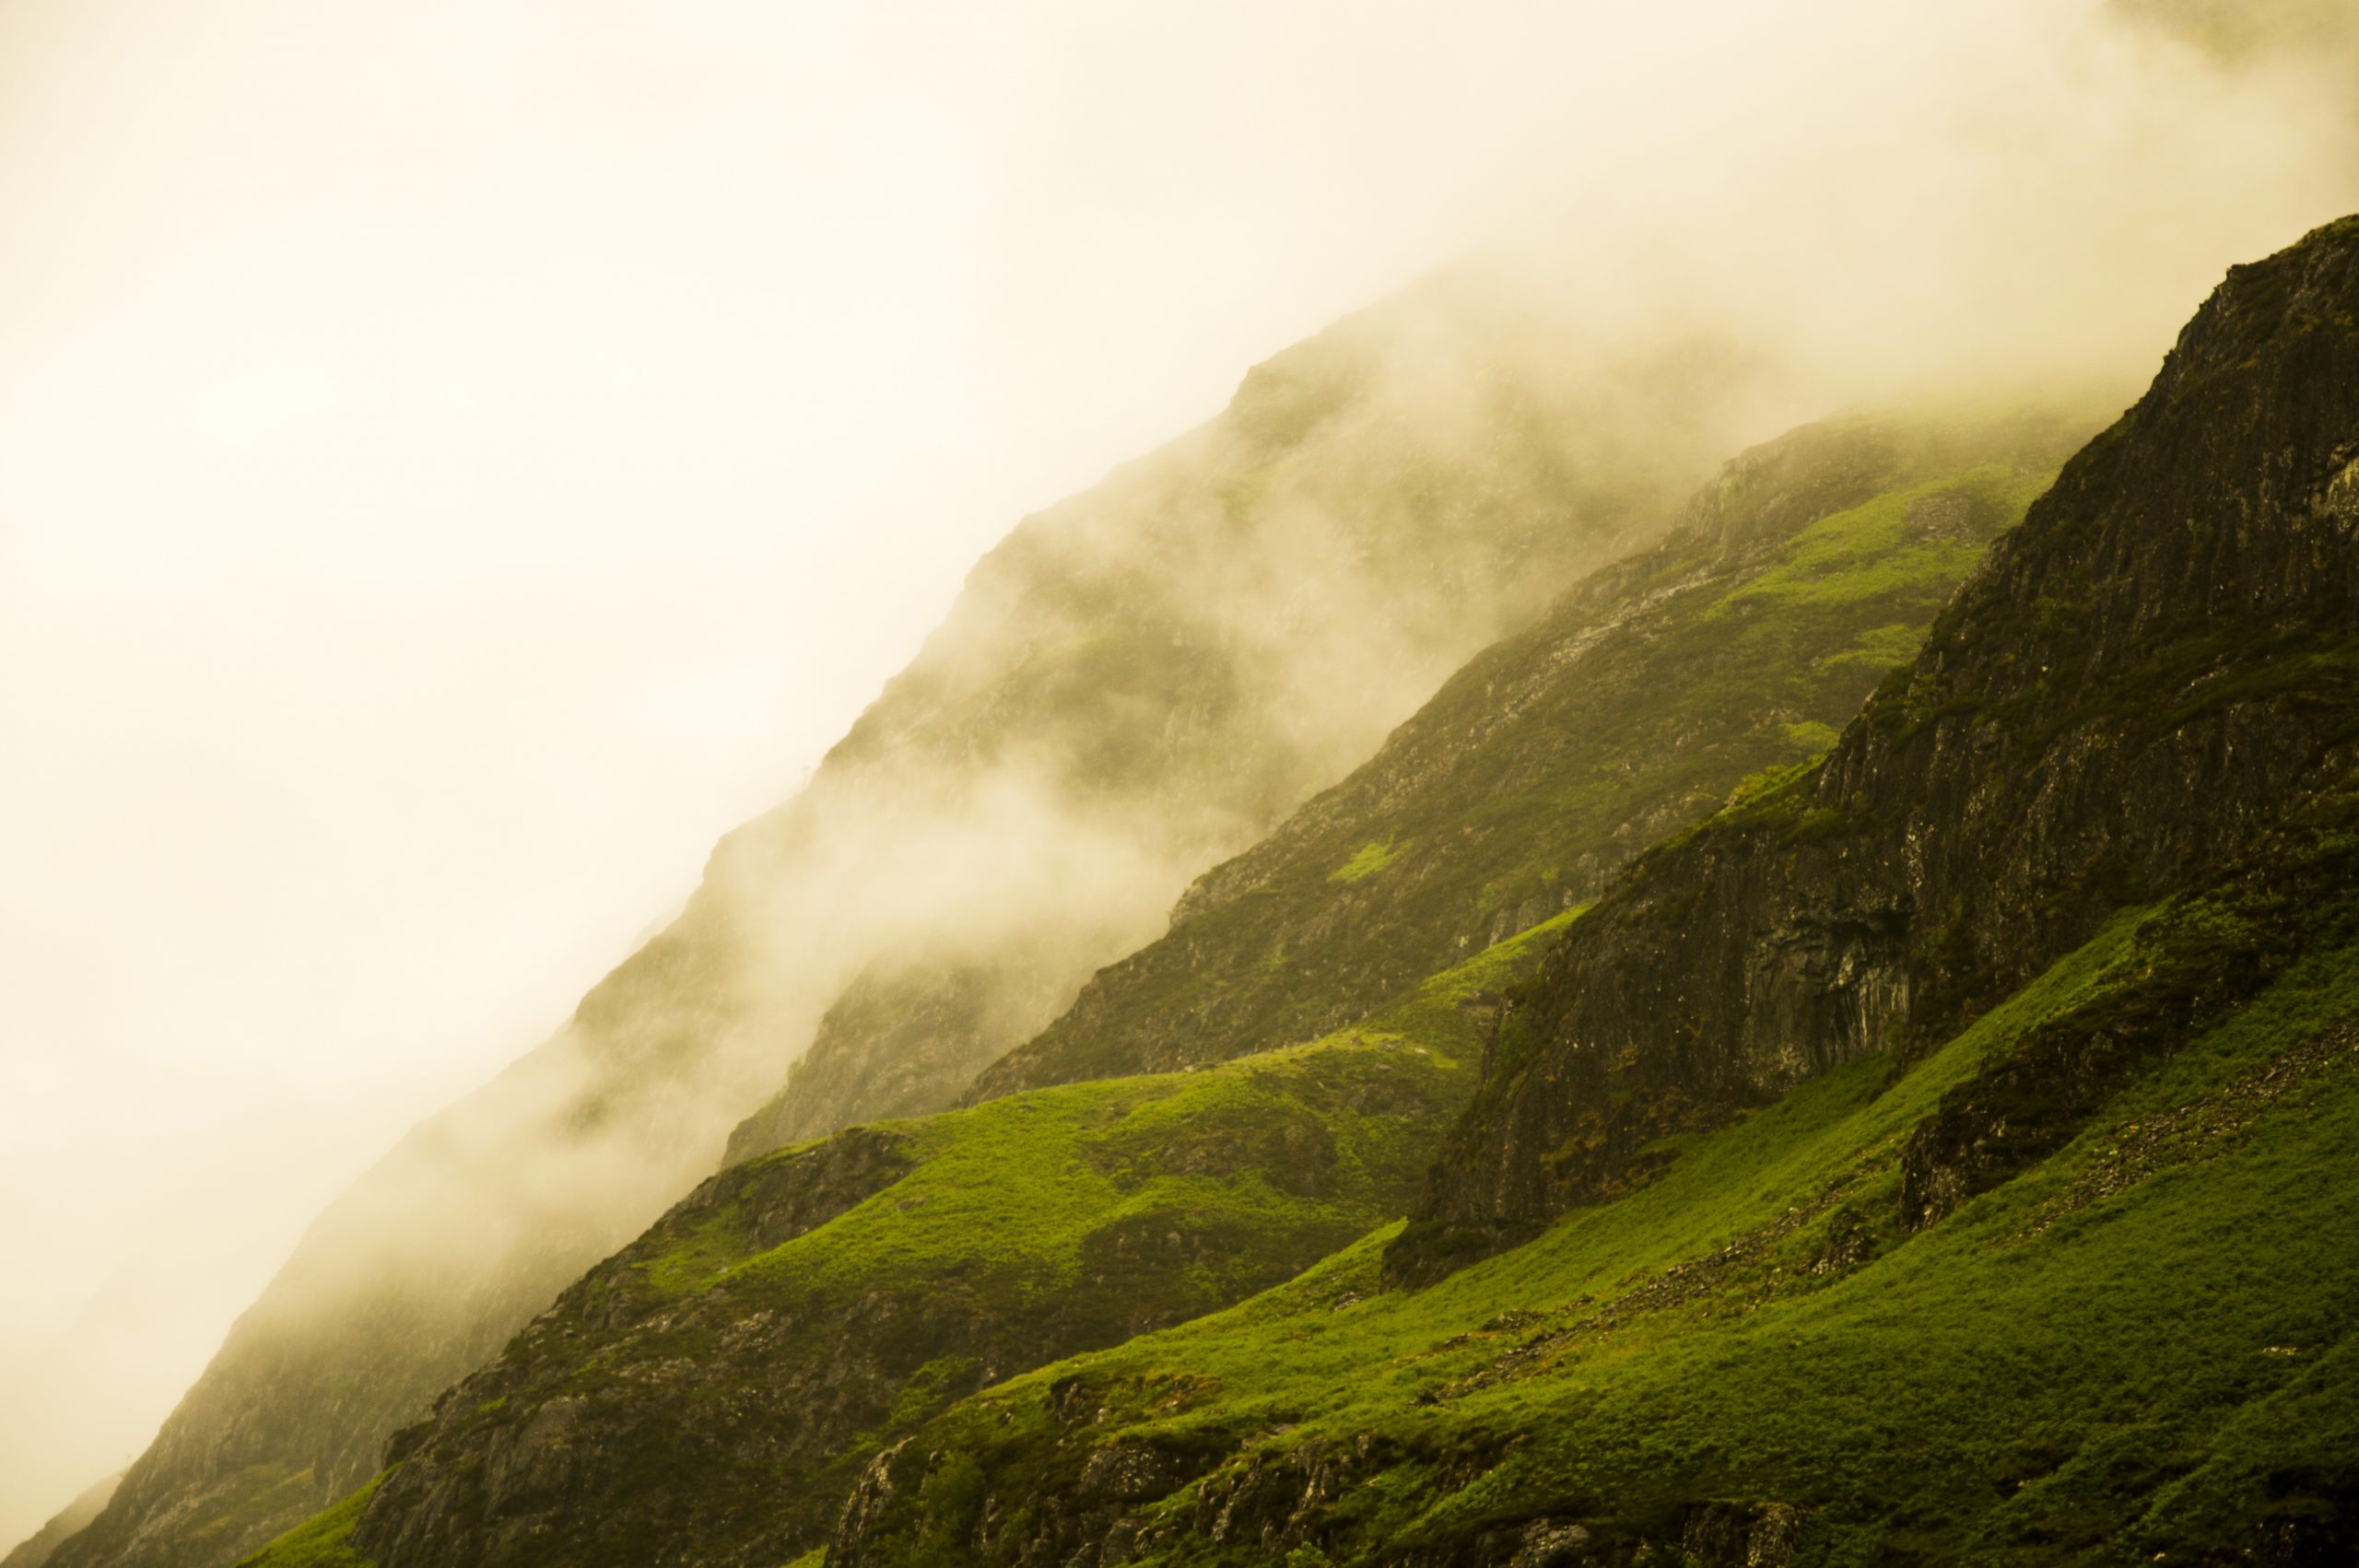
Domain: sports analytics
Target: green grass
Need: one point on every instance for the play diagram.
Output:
(1368, 860)
(323, 1542)
(1884, 549)
(1810, 736)
(1877, 649)
(2120, 1354)
(1019, 1185)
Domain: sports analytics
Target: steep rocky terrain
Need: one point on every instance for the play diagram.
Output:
(1938, 1157)
(1936, 1154)
(1135, 684)
(1733, 649)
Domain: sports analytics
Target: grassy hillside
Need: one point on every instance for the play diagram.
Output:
(2137, 1348)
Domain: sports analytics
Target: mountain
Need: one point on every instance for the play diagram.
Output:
(1938, 1156)
(2137, 1350)
(1190, 651)
(711, 1393)
(1812, 566)
(1134, 685)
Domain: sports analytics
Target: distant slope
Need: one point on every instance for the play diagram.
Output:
(1135, 684)
(39, 1547)
(1148, 678)
(1736, 647)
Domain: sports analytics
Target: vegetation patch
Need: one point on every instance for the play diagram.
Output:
(1366, 862)
(323, 1542)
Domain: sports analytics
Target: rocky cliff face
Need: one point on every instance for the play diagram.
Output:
(895, 1043)
(2149, 674)
(1134, 683)
(1736, 647)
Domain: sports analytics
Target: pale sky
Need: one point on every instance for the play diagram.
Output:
(457, 459)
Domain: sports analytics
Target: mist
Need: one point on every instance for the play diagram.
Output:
(456, 466)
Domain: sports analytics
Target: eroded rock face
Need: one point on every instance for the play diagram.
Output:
(2153, 669)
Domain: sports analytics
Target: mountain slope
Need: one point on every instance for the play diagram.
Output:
(1133, 684)
(1938, 1157)
(1735, 648)
(708, 1395)
(1324, 557)
(723, 1423)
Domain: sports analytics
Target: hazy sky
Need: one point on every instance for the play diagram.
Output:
(457, 459)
